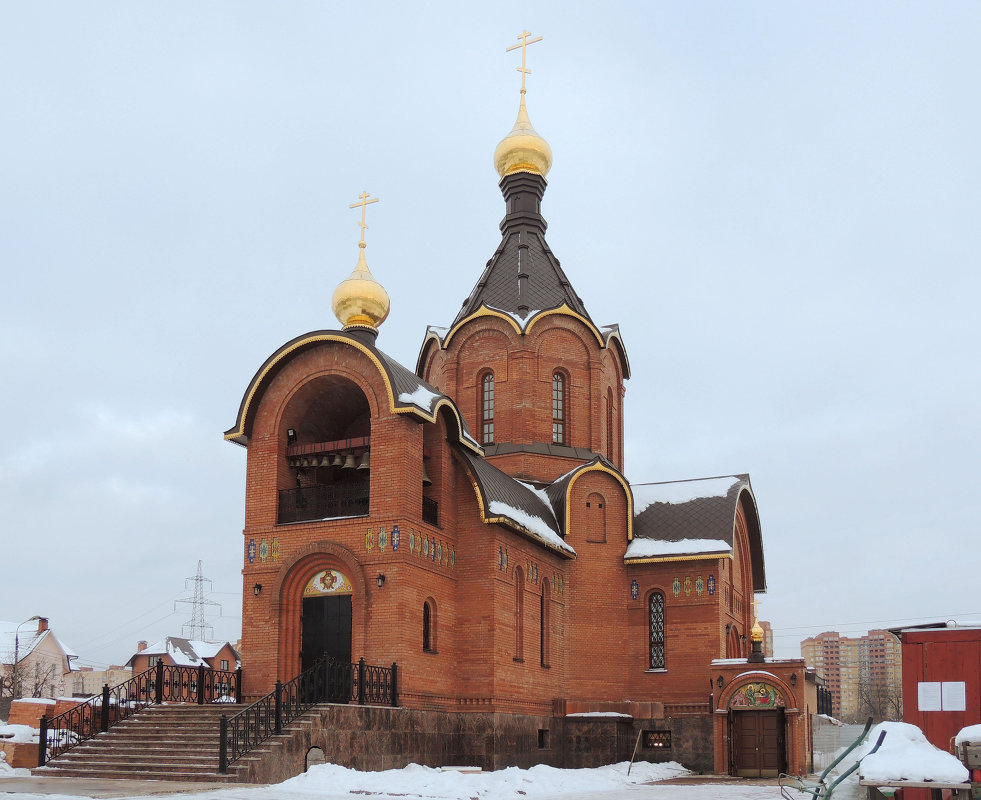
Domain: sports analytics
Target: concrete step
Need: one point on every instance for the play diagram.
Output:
(198, 777)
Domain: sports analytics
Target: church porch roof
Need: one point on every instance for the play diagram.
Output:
(694, 518)
(517, 505)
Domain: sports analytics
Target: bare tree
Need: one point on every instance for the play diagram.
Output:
(41, 681)
(879, 699)
(6, 683)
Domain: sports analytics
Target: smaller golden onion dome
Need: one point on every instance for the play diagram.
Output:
(360, 300)
(757, 631)
(523, 150)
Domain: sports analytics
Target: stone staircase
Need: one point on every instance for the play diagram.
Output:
(167, 742)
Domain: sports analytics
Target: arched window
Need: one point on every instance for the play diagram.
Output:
(519, 614)
(610, 441)
(656, 623)
(429, 626)
(487, 408)
(558, 408)
(546, 617)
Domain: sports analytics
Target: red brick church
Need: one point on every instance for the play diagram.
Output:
(471, 520)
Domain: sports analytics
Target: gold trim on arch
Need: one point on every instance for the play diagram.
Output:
(487, 311)
(257, 381)
(483, 311)
(662, 559)
(568, 312)
(599, 467)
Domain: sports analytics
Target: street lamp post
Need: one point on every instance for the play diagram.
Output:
(16, 669)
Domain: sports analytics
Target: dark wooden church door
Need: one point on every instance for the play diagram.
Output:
(326, 630)
(758, 743)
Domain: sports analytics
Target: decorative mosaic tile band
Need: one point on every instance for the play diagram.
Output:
(264, 550)
(419, 544)
(697, 586)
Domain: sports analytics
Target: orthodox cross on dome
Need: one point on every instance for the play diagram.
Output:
(364, 203)
(524, 41)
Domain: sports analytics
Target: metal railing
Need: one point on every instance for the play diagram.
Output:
(322, 502)
(161, 683)
(326, 681)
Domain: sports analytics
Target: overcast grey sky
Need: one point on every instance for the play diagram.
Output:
(777, 202)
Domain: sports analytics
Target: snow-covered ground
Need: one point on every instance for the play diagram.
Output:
(331, 782)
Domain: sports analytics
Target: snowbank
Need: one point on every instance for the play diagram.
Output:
(969, 735)
(906, 755)
(18, 733)
(506, 784)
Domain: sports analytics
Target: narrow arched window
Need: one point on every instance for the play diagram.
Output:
(610, 441)
(429, 626)
(558, 408)
(487, 409)
(545, 623)
(656, 622)
(519, 614)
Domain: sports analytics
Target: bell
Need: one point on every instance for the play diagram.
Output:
(325, 461)
(426, 480)
(338, 461)
(349, 461)
(364, 461)
(304, 462)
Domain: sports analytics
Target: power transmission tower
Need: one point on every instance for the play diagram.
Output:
(197, 626)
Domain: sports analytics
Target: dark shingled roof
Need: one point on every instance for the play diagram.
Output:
(518, 500)
(403, 382)
(523, 275)
(710, 514)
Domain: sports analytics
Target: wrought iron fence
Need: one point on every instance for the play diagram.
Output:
(326, 681)
(322, 502)
(161, 683)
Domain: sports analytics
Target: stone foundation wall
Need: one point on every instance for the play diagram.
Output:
(379, 738)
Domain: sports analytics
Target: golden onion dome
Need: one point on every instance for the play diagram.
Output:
(360, 300)
(757, 631)
(523, 150)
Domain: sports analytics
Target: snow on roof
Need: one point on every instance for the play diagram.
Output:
(184, 652)
(646, 494)
(652, 548)
(533, 524)
(906, 755)
(420, 398)
(26, 641)
(521, 319)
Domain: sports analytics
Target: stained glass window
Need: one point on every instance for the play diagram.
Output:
(656, 614)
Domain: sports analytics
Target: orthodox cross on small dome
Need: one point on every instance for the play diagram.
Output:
(364, 203)
(524, 42)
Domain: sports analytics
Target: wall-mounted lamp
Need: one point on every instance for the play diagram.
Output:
(742, 638)
(380, 580)
(257, 589)
(290, 436)
(719, 681)
(793, 678)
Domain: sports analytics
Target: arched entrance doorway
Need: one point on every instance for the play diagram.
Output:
(757, 739)
(326, 619)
